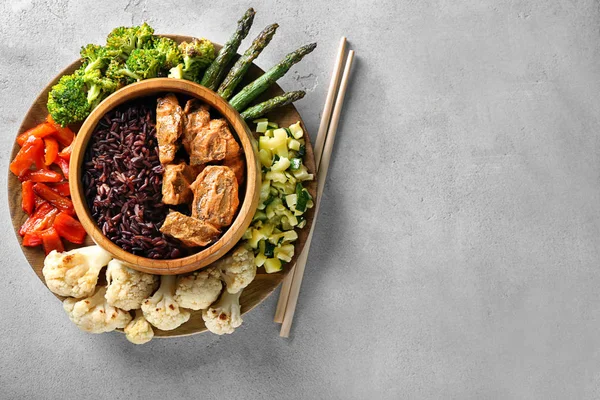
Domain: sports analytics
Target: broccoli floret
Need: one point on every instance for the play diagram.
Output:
(67, 101)
(99, 87)
(127, 39)
(197, 55)
(118, 72)
(169, 49)
(97, 57)
(145, 63)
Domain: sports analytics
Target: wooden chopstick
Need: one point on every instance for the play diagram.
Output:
(322, 176)
(318, 151)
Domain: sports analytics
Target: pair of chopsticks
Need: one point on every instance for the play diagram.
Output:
(290, 290)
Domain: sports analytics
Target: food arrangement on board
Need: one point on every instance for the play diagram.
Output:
(164, 177)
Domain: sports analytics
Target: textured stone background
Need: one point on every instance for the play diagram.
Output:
(457, 251)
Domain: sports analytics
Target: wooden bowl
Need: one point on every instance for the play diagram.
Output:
(248, 203)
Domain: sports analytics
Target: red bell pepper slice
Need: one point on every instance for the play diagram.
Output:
(41, 218)
(41, 175)
(28, 197)
(61, 188)
(32, 239)
(69, 228)
(58, 201)
(32, 153)
(51, 241)
(64, 166)
(51, 150)
(38, 201)
(66, 152)
(64, 135)
(41, 131)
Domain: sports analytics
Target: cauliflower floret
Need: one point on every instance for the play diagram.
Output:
(94, 314)
(74, 273)
(139, 331)
(225, 315)
(127, 288)
(199, 290)
(161, 310)
(238, 269)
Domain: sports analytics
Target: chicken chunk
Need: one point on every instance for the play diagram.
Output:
(213, 143)
(196, 118)
(215, 196)
(177, 179)
(169, 126)
(237, 163)
(191, 231)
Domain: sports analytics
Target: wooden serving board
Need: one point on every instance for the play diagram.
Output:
(262, 286)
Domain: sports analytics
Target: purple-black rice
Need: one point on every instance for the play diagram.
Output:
(122, 182)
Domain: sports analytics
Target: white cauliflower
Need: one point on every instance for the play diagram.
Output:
(161, 310)
(94, 314)
(225, 315)
(127, 288)
(199, 290)
(74, 273)
(237, 269)
(139, 331)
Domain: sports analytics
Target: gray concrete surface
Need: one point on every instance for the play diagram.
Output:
(457, 255)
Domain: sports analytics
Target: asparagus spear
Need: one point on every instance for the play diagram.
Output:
(240, 68)
(254, 89)
(213, 75)
(278, 101)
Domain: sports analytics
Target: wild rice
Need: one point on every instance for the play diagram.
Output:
(122, 181)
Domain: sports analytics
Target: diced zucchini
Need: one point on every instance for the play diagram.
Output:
(269, 249)
(296, 130)
(260, 259)
(285, 252)
(256, 121)
(293, 144)
(265, 157)
(302, 198)
(247, 234)
(295, 164)
(290, 200)
(265, 190)
(256, 237)
(302, 174)
(285, 224)
(301, 224)
(275, 176)
(273, 125)
(266, 230)
(261, 127)
(280, 165)
(272, 265)
(302, 151)
(259, 216)
(269, 133)
(264, 143)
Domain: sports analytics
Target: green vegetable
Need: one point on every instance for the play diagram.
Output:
(169, 49)
(295, 164)
(239, 69)
(197, 55)
(145, 63)
(97, 57)
(254, 89)
(278, 101)
(67, 101)
(269, 248)
(214, 74)
(272, 265)
(127, 39)
(302, 198)
(302, 151)
(99, 87)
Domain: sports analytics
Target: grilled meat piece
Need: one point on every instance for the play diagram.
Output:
(215, 196)
(213, 143)
(169, 126)
(191, 231)
(196, 118)
(177, 179)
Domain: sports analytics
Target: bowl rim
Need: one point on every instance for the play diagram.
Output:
(248, 204)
